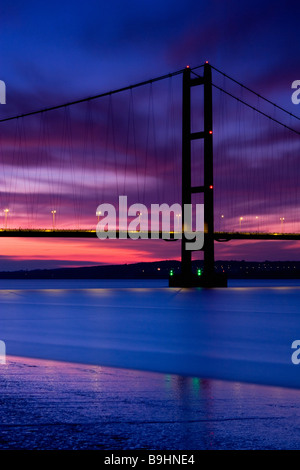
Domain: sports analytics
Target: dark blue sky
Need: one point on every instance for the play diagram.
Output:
(54, 52)
(67, 49)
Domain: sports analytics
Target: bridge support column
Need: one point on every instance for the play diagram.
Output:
(187, 278)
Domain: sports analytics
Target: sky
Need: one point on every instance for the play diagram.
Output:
(55, 52)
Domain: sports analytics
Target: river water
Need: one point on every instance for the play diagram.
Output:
(135, 364)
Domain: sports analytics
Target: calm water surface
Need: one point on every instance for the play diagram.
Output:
(121, 365)
(243, 332)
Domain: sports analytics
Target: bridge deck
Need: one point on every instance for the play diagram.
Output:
(77, 233)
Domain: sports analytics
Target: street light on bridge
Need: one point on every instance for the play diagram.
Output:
(178, 223)
(53, 218)
(221, 223)
(6, 211)
(98, 213)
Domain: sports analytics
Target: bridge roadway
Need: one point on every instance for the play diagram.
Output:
(84, 233)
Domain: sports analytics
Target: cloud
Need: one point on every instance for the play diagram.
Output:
(76, 157)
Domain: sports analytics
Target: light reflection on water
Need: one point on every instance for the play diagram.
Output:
(240, 333)
(111, 408)
(90, 284)
(85, 338)
(137, 284)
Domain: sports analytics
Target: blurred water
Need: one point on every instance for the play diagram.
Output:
(55, 405)
(241, 333)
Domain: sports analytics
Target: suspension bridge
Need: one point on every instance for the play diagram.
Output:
(195, 135)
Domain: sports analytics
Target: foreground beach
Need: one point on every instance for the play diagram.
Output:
(118, 366)
(48, 405)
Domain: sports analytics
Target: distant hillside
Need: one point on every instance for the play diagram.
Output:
(154, 270)
(161, 269)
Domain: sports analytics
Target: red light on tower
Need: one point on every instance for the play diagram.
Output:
(210, 132)
(206, 61)
(187, 67)
(211, 186)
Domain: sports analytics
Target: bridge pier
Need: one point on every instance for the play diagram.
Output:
(193, 280)
(187, 278)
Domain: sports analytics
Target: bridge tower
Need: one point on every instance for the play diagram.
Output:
(187, 278)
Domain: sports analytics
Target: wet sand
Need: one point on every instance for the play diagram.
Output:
(49, 405)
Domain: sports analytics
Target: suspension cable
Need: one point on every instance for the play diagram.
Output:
(163, 77)
(256, 109)
(255, 93)
(101, 95)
